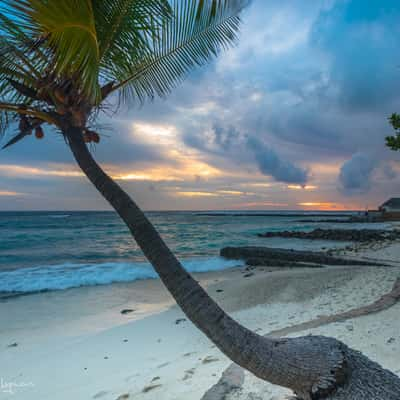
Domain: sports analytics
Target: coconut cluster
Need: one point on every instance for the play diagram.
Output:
(91, 136)
(27, 125)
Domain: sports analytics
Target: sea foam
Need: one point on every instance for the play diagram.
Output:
(69, 275)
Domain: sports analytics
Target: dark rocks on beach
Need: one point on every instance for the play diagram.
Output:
(327, 221)
(347, 235)
(180, 320)
(282, 257)
(266, 262)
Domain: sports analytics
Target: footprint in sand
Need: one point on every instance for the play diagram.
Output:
(188, 374)
(130, 377)
(100, 394)
(148, 388)
(123, 396)
(210, 359)
(127, 311)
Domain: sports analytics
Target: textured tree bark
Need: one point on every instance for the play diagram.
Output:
(313, 367)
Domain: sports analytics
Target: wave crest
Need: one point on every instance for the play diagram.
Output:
(69, 275)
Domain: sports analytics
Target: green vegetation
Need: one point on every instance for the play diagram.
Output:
(393, 142)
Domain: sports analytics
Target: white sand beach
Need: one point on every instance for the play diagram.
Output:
(76, 344)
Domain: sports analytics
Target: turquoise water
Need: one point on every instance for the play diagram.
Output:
(58, 250)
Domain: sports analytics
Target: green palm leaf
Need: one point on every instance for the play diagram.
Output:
(194, 35)
(70, 32)
(122, 26)
(4, 121)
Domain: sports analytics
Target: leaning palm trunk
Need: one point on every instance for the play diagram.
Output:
(313, 367)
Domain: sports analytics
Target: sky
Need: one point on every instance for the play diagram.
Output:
(293, 117)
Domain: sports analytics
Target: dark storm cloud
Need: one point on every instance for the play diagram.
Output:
(218, 140)
(355, 174)
(270, 163)
(362, 41)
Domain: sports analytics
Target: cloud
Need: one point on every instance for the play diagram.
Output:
(10, 193)
(361, 43)
(389, 172)
(355, 174)
(270, 163)
(49, 171)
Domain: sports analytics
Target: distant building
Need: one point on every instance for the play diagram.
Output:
(391, 209)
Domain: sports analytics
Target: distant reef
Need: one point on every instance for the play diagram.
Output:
(341, 235)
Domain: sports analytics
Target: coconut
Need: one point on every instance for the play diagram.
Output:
(95, 137)
(39, 132)
(87, 137)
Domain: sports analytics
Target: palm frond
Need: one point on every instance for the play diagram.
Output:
(123, 25)
(15, 139)
(70, 32)
(5, 120)
(198, 31)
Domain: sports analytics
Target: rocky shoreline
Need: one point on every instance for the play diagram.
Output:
(266, 256)
(345, 235)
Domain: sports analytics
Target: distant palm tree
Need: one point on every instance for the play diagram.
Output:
(60, 60)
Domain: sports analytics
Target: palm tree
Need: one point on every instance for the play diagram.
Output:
(60, 61)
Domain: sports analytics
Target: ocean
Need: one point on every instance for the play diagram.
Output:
(42, 251)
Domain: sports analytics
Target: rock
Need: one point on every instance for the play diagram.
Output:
(248, 275)
(15, 344)
(156, 378)
(281, 256)
(391, 340)
(219, 290)
(266, 262)
(179, 320)
(127, 311)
